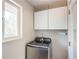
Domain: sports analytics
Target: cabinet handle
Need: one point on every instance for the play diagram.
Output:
(69, 12)
(69, 43)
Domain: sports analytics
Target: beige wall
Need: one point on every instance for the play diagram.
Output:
(51, 5)
(16, 49)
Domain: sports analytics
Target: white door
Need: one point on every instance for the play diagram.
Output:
(41, 20)
(58, 18)
(72, 54)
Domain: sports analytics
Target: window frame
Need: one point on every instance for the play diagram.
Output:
(19, 23)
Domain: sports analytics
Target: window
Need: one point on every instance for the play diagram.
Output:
(12, 28)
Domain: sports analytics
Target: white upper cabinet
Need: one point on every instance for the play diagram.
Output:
(72, 2)
(58, 18)
(41, 20)
(55, 18)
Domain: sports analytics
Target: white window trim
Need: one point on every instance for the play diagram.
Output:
(20, 36)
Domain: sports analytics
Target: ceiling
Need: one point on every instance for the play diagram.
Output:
(45, 4)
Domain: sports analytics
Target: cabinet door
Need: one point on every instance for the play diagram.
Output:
(72, 32)
(58, 18)
(41, 20)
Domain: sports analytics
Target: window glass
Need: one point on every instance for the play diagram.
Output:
(10, 23)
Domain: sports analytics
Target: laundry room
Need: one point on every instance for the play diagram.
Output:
(39, 29)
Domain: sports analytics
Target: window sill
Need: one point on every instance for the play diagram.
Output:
(10, 39)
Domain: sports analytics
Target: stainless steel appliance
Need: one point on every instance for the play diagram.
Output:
(39, 50)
